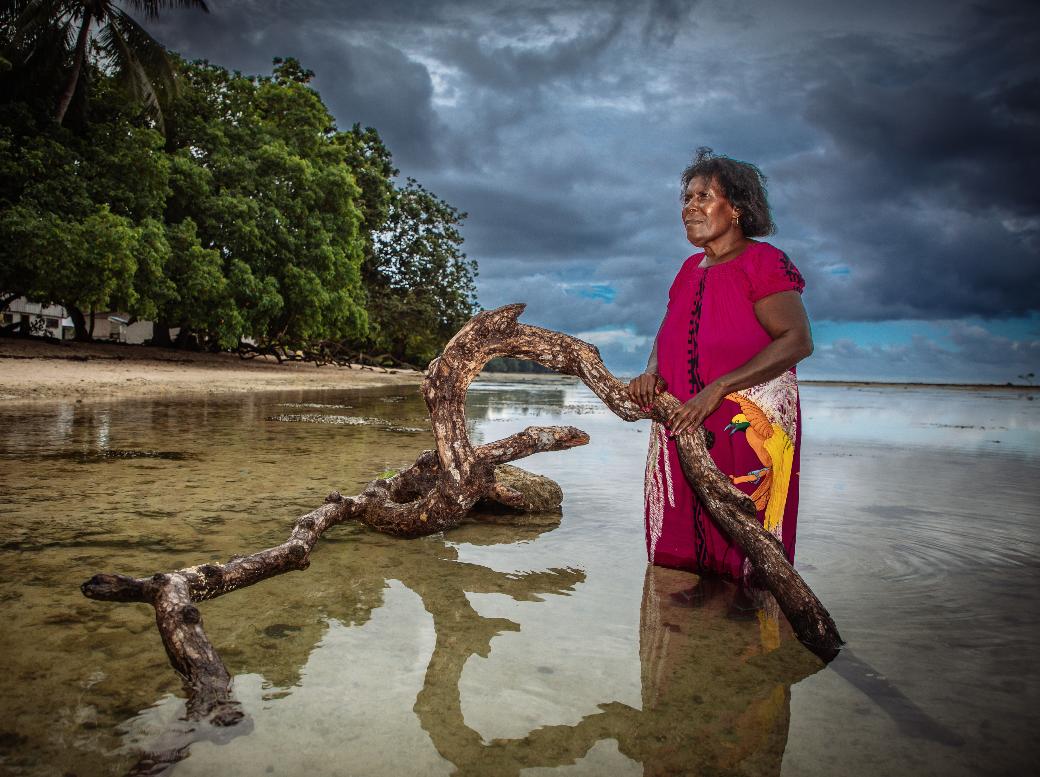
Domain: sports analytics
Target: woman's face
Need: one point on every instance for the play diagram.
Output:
(706, 212)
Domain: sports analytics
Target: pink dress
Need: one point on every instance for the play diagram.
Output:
(709, 330)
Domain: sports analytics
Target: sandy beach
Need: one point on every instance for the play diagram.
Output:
(34, 371)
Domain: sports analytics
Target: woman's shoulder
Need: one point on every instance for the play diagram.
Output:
(769, 270)
(759, 251)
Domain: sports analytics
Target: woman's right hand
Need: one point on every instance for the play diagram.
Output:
(643, 388)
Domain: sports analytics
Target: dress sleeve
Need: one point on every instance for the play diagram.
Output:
(771, 272)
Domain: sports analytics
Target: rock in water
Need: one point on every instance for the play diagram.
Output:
(539, 493)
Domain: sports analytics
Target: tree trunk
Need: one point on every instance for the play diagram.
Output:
(438, 491)
(161, 334)
(184, 338)
(77, 67)
(79, 321)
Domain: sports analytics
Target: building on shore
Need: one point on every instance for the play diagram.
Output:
(53, 321)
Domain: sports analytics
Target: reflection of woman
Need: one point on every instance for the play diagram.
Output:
(732, 333)
(716, 680)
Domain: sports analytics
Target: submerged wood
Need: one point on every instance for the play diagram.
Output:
(438, 491)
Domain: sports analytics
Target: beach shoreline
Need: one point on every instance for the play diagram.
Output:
(34, 370)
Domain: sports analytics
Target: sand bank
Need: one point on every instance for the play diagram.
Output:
(34, 371)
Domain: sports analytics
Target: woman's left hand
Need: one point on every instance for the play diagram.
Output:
(692, 414)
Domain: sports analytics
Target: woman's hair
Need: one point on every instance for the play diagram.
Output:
(741, 182)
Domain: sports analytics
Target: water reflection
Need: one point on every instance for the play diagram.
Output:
(387, 657)
(288, 650)
(716, 673)
(715, 690)
(980, 421)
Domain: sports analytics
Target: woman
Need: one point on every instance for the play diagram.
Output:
(732, 333)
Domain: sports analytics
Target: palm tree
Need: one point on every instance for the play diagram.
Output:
(35, 30)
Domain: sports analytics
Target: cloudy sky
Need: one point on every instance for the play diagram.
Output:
(900, 139)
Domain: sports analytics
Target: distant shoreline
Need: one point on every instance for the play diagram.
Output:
(906, 384)
(32, 370)
(805, 382)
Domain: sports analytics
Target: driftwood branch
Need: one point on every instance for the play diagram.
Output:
(438, 491)
(499, 333)
(174, 594)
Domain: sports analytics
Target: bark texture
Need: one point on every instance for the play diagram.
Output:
(439, 490)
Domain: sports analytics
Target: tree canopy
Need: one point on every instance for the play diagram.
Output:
(81, 215)
(243, 213)
(420, 283)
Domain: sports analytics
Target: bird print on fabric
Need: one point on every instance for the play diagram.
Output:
(767, 419)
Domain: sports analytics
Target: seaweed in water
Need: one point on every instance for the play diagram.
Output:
(115, 454)
(336, 420)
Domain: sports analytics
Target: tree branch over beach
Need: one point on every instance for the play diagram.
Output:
(437, 492)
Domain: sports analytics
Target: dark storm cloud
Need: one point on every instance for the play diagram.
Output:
(900, 139)
(358, 84)
(665, 19)
(925, 180)
(365, 80)
(506, 67)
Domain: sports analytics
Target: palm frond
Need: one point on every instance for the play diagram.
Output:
(151, 8)
(40, 44)
(130, 64)
(37, 38)
(151, 54)
(29, 24)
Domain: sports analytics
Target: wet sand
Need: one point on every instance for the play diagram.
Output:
(34, 371)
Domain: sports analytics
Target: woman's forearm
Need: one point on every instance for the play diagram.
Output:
(772, 361)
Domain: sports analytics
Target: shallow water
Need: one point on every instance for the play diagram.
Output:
(547, 647)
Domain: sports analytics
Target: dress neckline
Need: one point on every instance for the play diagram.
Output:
(741, 255)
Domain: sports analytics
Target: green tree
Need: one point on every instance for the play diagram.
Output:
(81, 214)
(259, 168)
(253, 217)
(421, 285)
(201, 300)
(372, 165)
